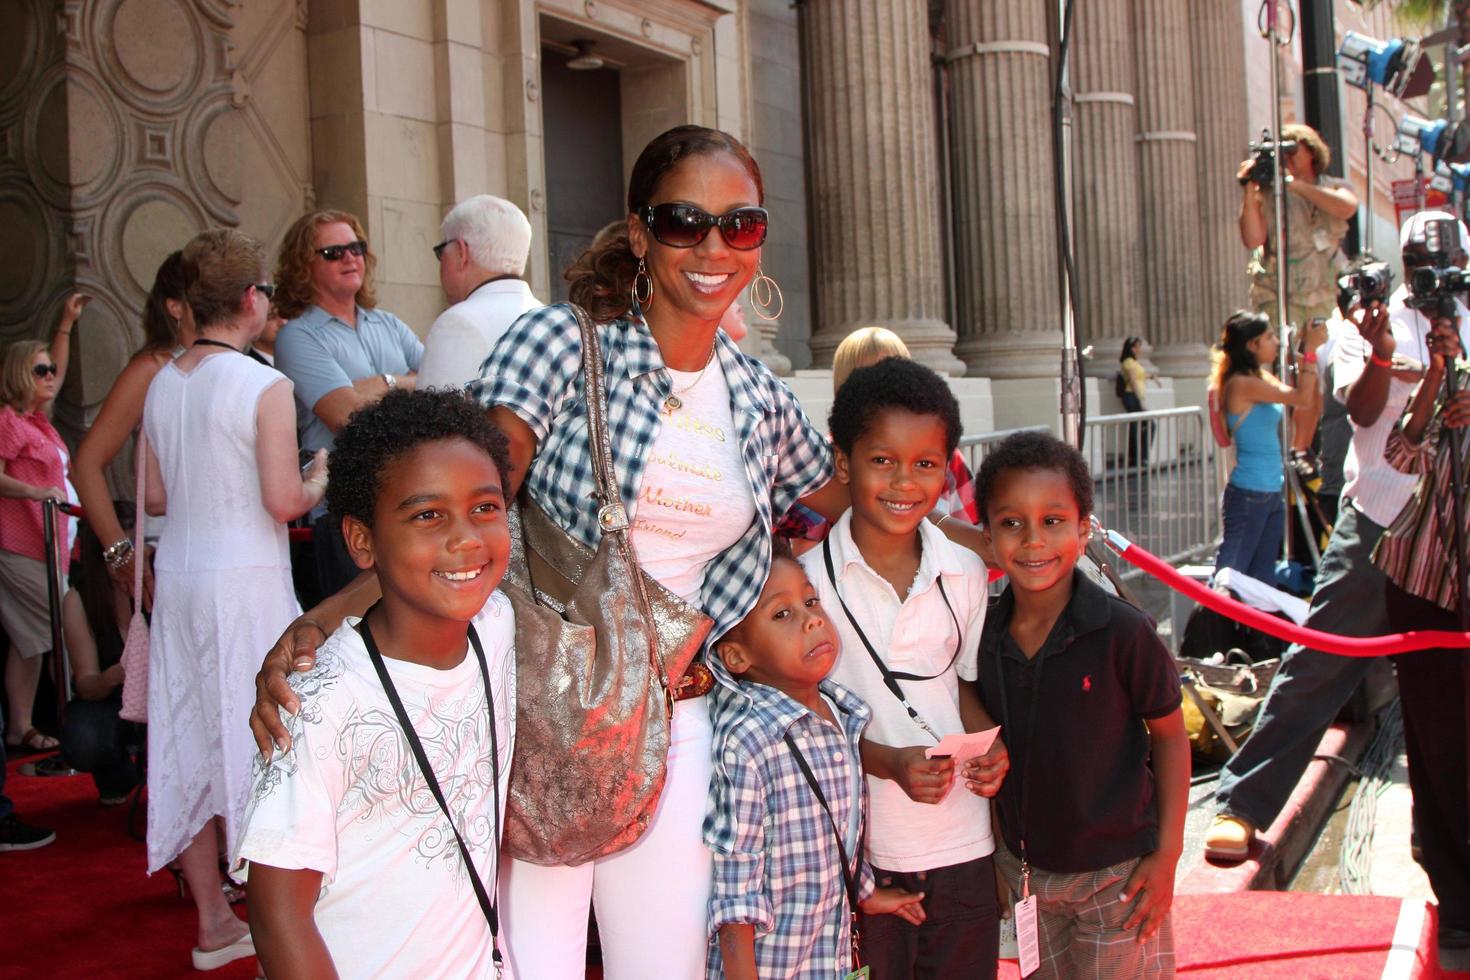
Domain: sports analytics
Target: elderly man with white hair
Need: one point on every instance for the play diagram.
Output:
(482, 261)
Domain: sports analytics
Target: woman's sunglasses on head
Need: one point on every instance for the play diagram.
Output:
(334, 253)
(685, 226)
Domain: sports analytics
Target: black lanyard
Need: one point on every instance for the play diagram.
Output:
(890, 677)
(487, 904)
(1019, 776)
(849, 873)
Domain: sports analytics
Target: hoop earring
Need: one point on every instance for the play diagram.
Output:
(765, 293)
(644, 301)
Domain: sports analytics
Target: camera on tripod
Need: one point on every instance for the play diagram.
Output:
(1263, 169)
(1433, 285)
(1369, 283)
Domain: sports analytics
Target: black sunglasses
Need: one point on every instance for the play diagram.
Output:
(439, 249)
(263, 288)
(685, 226)
(41, 370)
(334, 253)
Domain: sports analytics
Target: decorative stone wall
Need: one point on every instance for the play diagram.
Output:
(128, 126)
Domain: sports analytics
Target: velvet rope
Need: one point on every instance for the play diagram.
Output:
(1342, 646)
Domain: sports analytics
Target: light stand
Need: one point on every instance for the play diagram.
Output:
(1071, 372)
(1278, 200)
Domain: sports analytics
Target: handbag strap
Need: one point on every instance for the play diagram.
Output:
(141, 465)
(488, 904)
(612, 516)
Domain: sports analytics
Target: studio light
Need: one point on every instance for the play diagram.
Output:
(1396, 65)
(1416, 135)
(1451, 178)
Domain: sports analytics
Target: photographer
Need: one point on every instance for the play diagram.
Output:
(1375, 372)
(1318, 207)
(1419, 557)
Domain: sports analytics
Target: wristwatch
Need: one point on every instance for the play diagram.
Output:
(389, 380)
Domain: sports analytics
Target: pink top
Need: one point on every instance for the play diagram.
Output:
(33, 453)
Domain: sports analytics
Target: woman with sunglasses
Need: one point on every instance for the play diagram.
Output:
(222, 464)
(711, 449)
(168, 328)
(338, 348)
(33, 465)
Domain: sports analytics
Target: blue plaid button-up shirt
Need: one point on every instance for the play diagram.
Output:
(535, 370)
(777, 865)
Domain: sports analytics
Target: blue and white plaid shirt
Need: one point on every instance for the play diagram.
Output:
(776, 862)
(536, 371)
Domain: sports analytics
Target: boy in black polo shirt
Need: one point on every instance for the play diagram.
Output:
(1089, 700)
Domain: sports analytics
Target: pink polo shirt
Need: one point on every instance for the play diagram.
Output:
(33, 453)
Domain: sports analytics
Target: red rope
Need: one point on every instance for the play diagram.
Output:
(1343, 646)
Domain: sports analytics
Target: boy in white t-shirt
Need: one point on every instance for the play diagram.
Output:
(362, 863)
(909, 606)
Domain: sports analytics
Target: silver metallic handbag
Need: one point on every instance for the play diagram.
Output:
(601, 652)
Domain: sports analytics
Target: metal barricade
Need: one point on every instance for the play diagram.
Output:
(974, 447)
(1156, 481)
(1154, 474)
(53, 542)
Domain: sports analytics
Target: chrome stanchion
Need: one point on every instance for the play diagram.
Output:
(51, 510)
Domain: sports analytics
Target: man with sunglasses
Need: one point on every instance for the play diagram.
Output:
(482, 252)
(338, 348)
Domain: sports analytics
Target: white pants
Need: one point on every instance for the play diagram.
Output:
(651, 900)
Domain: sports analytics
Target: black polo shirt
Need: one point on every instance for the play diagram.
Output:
(1084, 771)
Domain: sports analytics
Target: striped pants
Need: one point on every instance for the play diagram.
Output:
(1081, 924)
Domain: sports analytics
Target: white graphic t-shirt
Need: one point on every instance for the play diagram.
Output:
(348, 800)
(695, 500)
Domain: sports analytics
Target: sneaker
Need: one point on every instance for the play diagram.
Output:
(1228, 839)
(16, 835)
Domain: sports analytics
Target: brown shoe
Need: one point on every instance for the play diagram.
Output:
(1229, 838)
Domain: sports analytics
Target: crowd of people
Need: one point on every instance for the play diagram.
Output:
(827, 787)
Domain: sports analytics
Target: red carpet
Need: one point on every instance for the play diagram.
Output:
(1298, 936)
(83, 906)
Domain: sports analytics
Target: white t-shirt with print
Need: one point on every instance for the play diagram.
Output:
(914, 634)
(348, 800)
(695, 500)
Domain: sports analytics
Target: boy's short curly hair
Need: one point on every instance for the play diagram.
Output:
(399, 422)
(892, 383)
(1034, 451)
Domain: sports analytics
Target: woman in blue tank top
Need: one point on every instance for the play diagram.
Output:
(1254, 514)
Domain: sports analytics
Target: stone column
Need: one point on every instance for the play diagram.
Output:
(875, 177)
(1004, 210)
(1105, 182)
(1176, 316)
(1220, 114)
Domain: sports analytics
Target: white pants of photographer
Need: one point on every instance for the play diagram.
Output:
(651, 900)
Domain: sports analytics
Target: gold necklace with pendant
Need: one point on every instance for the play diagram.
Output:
(673, 402)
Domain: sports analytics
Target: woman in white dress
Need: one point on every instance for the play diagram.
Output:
(223, 463)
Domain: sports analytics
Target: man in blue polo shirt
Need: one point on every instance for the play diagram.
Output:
(340, 352)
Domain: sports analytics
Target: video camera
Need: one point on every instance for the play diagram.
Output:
(1263, 170)
(1369, 283)
(1433, 284)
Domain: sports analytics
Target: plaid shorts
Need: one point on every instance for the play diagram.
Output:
(1081, 920)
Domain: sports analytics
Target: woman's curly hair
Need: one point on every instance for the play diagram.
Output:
(399, 422)
(294, 289)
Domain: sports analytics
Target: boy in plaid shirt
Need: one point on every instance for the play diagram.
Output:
(787, 800)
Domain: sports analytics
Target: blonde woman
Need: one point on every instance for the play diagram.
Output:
(33, 465)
